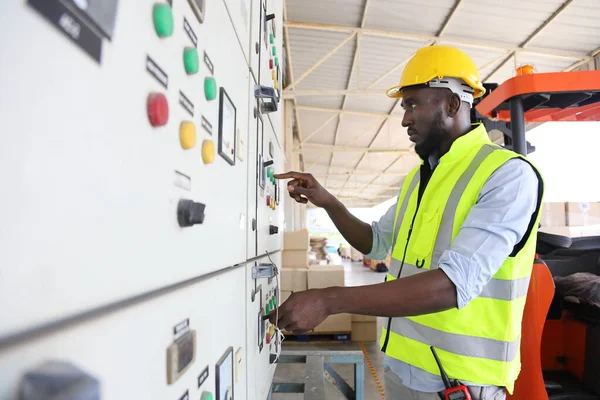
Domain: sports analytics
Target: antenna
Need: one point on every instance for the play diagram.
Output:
(442, 372)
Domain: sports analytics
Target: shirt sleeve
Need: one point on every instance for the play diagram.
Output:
(383, 232)
(493, 227)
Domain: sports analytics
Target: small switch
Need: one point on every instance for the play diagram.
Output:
(208, 151)
(158, 109)
(187, 134)
(270, 63)
(190, 213)
(273, 230)
(210, 88)
(191, 61)
(162, 16)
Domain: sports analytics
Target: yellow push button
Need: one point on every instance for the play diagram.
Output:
(187, 134)
(274, 75)
(276, 85)
(208, 151)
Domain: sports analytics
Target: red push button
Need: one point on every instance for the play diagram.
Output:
(158, 109)
(270, 63)
(268, 200)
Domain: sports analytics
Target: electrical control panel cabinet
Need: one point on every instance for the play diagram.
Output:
(132, 353)
(270, 191)
(119, 161)
(267, 60)
(240, 13)
(263, 343)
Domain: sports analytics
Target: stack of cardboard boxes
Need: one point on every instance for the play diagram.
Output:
(573, 219)
(364, 328)
(298, 275)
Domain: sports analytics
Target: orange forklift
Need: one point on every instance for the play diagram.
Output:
(560, 342)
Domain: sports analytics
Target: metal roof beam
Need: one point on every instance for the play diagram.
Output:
(530, 38)
(353, 112)
(424, 38)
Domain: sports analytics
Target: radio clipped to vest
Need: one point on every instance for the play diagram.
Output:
(454, 390)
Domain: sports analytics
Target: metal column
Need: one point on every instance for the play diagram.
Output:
(517, 124)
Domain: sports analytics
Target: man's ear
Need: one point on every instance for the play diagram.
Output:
(454, 103)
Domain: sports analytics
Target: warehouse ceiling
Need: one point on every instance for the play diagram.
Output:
(341, 56)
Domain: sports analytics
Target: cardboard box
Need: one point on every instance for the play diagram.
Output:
(320, 277)
(554, 214)
(335, 323)
(293, 279)
(363, 318)
(582, 214)
(298, 240)
(294, 259)
(285, 294)
(364, 331)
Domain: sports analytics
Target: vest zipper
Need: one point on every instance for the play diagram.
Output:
(425, 176)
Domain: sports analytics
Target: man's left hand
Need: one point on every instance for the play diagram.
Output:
(302, 311)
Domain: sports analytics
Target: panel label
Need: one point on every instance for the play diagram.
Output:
(209, 64)
(207, 125)
(181, 328)
(71, 25)
(202, 377)
(186, 103)
(186, 396)
(190, 32)
(160, 75)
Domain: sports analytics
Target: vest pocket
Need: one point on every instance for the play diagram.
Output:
(423, 239)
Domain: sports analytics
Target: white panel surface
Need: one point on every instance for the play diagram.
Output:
(126, 350)
(91, 217)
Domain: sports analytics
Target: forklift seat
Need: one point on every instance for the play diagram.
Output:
(530, 383)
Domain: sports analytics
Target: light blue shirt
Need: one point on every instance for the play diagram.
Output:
(494, 225)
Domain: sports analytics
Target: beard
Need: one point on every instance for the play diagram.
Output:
(438, 134)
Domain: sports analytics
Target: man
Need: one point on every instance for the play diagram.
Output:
(462, 237)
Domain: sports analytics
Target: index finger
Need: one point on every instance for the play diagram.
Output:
(291, 174)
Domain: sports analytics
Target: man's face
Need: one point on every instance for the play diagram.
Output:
(424, 118)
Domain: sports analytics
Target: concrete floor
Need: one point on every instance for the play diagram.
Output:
(355, 275)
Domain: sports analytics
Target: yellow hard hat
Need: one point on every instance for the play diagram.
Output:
(437, 62)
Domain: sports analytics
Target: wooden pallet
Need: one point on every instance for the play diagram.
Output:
(318, 337)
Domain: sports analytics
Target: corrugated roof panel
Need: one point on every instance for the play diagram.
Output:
(393, 135)
(377, 161)
(575, 30)
(336, 12)
(508, 22)
(353, 128)
(413, 16)
(308, 47)
(389, 81)
(311, 120)
(320, 101)
(346, 159)
(325, 135)
(333, 73)
(378, 55)
(406, 163)
(370, 102)
(541, 64)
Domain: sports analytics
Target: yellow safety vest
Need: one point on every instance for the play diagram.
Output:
(479, 343)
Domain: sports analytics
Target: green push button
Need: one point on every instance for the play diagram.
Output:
(191, 61)
(274, 51)
(163, 19)
(268, 308)
(271, 38)
(210, 88)
(276, 62)
(206, 396)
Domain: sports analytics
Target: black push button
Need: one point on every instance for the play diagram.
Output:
(190, 213)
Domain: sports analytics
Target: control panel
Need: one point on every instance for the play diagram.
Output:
(141, 200)
(263, 342)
